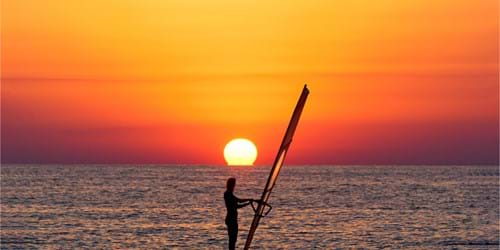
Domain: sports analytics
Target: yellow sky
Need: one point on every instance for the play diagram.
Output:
(155, 39)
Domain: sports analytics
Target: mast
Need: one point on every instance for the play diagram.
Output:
(278, 163)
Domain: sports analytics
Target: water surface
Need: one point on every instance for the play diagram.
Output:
(144, 206)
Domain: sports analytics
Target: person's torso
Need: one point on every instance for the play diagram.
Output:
(231, 205)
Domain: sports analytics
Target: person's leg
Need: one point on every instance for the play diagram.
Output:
(229, 233)
(232, 230)
(235, 233)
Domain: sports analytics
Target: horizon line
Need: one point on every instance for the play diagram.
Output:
(250, 166)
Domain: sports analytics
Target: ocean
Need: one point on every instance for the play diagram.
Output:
(325, 207)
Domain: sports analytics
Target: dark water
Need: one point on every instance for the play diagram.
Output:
(102, 206)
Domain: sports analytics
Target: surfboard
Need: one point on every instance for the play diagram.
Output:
(261, 210)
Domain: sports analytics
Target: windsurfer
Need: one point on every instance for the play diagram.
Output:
(232, 205)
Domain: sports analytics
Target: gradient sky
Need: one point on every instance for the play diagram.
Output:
(392, 82)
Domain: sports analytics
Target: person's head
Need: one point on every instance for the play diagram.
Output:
(231, 182)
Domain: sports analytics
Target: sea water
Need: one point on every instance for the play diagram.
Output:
(330, 207)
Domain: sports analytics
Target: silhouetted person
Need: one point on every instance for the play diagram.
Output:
(232, 205)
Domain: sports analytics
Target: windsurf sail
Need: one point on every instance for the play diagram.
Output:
(261, 210)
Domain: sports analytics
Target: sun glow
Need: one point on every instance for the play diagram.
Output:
(240, 152)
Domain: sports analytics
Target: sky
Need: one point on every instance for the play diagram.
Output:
(171, 82)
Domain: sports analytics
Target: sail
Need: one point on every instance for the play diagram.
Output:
(278, 163)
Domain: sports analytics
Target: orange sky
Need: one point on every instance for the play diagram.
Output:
(392, 82)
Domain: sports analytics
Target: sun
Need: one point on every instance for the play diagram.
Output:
(240, 152)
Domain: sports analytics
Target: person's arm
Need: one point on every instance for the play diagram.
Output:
(242, 200)
(244, 204)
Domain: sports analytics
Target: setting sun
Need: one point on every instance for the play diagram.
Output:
(240, 152)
